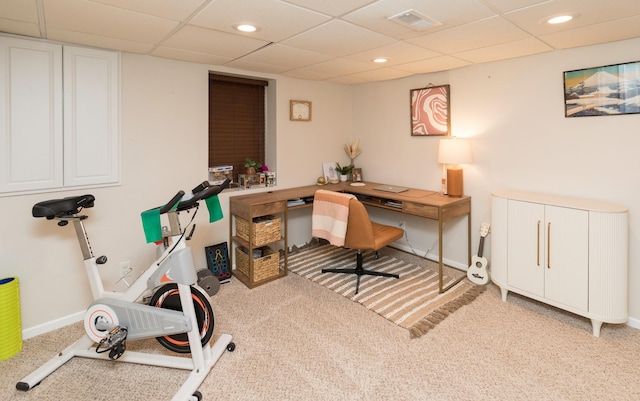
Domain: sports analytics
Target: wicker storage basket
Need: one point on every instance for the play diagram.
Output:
(263, 268)
(266, 229)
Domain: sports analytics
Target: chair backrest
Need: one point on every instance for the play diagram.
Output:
(359, 227)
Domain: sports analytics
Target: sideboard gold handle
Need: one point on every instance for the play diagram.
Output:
(538, 242)
(549, 245)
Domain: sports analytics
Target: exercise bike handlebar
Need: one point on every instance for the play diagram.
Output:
(169, 205)
(202, 191)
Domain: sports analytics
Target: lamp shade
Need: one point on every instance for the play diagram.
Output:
(455, 151)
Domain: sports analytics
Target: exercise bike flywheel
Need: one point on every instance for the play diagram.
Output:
(168, 297)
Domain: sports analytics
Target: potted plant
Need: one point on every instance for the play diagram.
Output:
(251, 165)
(343, 171)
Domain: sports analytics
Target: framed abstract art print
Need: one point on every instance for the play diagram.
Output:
(430, 111)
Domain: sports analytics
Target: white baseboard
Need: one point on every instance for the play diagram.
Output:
(52, 325)
(633, 322)
(432, 257)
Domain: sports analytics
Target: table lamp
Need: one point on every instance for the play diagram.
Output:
(453, 152)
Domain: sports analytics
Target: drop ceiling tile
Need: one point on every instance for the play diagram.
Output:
(338, 38)
(98, 41)
(100, 20)
(346, 80)
(448, 13)
(186, 55)
(517, 48)
(208, 41)
(285, 56)
(340, 66)
(246, 65)
(487, 32)
(331, 7)
(382, 74)
(19, 10)
(277, 20)
(510, 5)
(531, 19)
(168, 9)
(19, 28)
(435, 64)
(396, 53)
(307, 74)
(612, 31)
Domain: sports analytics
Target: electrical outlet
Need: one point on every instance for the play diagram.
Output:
(125, 268)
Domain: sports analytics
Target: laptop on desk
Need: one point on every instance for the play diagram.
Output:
(391, 188)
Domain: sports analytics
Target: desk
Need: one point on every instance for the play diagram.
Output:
(417, 202)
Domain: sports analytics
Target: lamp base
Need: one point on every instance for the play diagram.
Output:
(454, 182)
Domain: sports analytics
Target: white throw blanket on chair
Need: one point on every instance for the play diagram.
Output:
(330, 216)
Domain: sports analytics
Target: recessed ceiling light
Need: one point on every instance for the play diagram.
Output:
(559, 19)
(246, 28)
(380, 60)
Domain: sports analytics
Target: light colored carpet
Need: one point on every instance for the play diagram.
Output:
(297, 341)
(413, 301)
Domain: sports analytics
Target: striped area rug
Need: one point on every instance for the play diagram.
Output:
(411, 302)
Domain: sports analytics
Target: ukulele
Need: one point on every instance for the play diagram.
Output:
(477, 272)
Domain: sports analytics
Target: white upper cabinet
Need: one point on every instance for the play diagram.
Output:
(59, 110)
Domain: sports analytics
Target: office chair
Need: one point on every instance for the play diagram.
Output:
(364, 234)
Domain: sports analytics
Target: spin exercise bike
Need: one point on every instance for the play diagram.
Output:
(179, 314)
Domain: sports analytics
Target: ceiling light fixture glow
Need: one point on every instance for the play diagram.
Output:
(380, 60)
(246, 28)
(559, 19)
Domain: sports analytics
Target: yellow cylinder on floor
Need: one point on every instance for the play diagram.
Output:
(10, 324)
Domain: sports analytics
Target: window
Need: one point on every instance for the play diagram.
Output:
(236, 121)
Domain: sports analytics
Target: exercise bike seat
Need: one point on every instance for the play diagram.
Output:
(65, 207)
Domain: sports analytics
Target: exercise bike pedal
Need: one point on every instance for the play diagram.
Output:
(115, 342)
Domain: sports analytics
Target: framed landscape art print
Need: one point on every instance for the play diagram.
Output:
(430, 111)
(602, 91)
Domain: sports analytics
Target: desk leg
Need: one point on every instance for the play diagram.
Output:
(440, 289)
(469, 238)
(440, 256)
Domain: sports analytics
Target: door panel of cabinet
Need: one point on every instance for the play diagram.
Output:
(91, 116)
(525, 250)
(567, 260)
(30, 115)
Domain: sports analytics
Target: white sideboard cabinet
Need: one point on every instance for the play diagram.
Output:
(567, 252)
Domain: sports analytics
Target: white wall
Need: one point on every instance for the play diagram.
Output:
(512, 109)
(514, 112)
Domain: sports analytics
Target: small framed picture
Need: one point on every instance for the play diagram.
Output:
(356, 175)
(299, 110)
(329, 172)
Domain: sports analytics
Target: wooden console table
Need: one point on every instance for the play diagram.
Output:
(417, 202)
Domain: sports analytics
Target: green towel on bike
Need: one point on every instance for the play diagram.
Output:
(151, 225)
(213, 206)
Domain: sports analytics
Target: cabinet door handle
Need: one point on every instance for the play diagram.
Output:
(538, 242)
(549, 245)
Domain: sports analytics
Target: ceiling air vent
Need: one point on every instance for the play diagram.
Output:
(414, 20)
